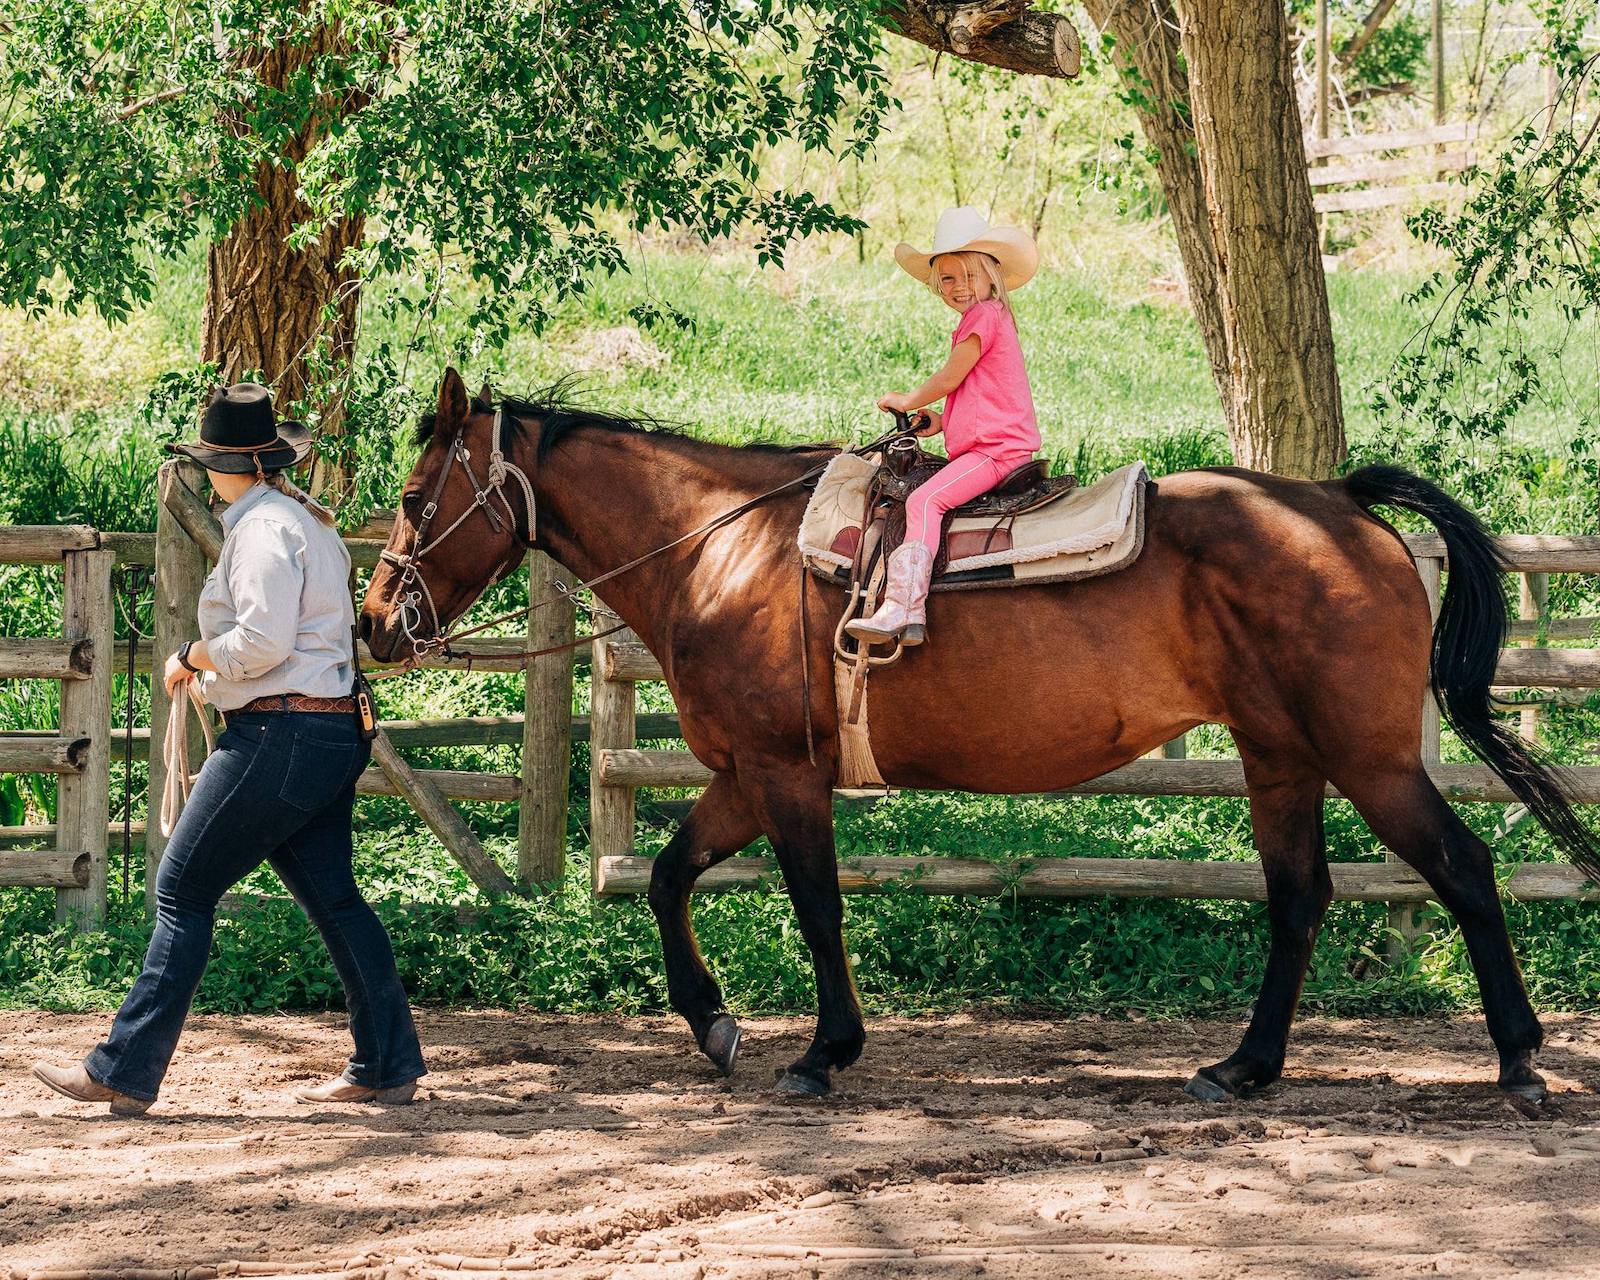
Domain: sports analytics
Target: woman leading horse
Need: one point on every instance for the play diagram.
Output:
(1280, 608)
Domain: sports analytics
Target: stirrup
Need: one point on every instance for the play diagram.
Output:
(859, 629)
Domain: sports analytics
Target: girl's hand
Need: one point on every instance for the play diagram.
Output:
(933, 424)
(895, 402)
(174, 675)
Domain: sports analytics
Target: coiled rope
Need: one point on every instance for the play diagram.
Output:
(175, 753)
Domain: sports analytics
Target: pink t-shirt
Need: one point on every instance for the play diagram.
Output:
(992, 409)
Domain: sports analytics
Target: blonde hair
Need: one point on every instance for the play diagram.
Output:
(280, 481)
(972, 261)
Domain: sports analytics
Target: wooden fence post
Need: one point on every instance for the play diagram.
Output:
(1403, 916)
(1532, 605)
(180, 572)
(82, 799)
(443, 820)
(546, 729)
(611, 727)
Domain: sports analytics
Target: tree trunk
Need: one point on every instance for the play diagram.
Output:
(265, 300)
(1286, 415)
(1240, 205)
(1147, 59)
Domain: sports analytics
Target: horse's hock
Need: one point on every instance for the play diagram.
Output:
(620, 768)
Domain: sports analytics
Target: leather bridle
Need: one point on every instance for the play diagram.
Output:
(483, 497)
(413, 591)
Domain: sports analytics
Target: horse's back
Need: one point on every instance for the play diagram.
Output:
(1252, 592)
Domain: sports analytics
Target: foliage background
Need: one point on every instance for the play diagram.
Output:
(800, 353)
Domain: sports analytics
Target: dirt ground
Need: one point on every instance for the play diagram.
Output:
(966, 1146)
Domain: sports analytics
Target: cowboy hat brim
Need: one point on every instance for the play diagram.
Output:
(1011, 247)
(288, 450)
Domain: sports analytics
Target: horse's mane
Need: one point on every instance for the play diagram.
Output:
(558, 416)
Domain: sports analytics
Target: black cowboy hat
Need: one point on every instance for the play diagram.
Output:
(239, 433)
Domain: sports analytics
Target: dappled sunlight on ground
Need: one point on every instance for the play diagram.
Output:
(973, 1145)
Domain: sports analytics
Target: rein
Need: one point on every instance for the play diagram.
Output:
(483, 496)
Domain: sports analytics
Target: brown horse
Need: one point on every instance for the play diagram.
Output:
(1280, 608)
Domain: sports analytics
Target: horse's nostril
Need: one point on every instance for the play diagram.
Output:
(364, 626)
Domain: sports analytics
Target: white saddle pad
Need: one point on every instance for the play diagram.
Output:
(1093, 530)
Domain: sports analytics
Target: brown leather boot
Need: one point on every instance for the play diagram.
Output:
(76, 1083)
(903, 615)
(341, 1090)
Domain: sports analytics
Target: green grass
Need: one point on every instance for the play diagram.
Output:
(1118, 373)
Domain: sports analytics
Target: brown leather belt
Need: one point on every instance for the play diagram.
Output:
(298, 702)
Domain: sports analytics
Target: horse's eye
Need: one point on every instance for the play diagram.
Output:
(410, 499)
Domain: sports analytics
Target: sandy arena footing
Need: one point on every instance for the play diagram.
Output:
(975, 1145)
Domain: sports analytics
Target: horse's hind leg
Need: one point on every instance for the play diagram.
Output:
(718, 826)
(1406, 811)
(1286, 816)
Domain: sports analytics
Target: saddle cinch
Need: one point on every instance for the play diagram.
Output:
(1032, 529)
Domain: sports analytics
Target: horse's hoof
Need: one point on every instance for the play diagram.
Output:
(1530, 1087)
(797, 1084)
(722, 1043)
(1205, 1088)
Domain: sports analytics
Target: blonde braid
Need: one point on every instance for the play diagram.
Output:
(280, 481)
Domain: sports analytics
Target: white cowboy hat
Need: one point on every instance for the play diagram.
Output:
(966, 228)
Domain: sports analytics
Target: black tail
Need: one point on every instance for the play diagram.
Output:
(1466, 646)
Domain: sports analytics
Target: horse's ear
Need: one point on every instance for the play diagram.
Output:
(486, 396)
(453, 407)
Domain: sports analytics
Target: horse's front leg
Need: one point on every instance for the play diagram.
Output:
(794, 805)
(719, 825)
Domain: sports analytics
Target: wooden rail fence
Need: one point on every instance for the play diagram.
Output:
(1439, 149)
(78, 752)
(187, 536)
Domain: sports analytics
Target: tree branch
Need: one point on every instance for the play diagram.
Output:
(166, 95)
(1353, 47)
(1000, 33)
(1367, 93)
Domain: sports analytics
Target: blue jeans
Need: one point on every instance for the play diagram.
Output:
(279, 787)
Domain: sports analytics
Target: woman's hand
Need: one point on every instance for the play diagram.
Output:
(174, 675)
(933, 423)
(895, 402)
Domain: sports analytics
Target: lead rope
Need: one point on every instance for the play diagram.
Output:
(175, 754)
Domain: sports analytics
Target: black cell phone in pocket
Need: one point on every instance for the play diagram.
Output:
(366, 712)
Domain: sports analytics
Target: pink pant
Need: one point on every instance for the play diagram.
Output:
(959, 480)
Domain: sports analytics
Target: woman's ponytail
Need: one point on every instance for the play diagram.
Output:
(280, 481)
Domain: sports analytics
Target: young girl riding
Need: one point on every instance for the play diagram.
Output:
(988, 421)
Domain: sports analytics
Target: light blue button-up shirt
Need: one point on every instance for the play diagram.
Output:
(276, 611)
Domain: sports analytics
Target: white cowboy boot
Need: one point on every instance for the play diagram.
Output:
(903, 615)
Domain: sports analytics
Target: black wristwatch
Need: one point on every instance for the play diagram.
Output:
(183, 657)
